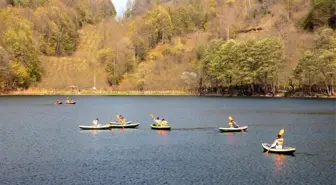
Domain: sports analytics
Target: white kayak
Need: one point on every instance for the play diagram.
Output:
(92, 127)
(285, 150)
(127, 125)
(112, 122)
(239, 129)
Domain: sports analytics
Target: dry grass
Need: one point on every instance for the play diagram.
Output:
(160, 70)
(78, 69)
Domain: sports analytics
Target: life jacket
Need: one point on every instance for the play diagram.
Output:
(164, 122)
(280, 142)
(230, 124)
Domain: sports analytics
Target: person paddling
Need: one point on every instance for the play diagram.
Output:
(95, 122)
(68, 100)
(278, 143)
(164, 122)
(232, 123)
(121, 119)
(157, 121)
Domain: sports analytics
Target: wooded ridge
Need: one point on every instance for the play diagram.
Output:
(224, 47)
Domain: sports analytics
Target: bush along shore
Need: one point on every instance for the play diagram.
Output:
(47, 92)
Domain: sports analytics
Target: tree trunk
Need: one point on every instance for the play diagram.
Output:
(328, 89)
(332, 85)
(200, 86)
(265, 84)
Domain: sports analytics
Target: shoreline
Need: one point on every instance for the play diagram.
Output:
(144, 93)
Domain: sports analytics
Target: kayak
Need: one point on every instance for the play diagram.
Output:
(70, 102)
(58, 103)
(117, 123)
(92, 127)
(156, 127)
(285, 150)
(127, 125)
(239, 129)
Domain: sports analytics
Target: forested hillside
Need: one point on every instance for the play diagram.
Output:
(228, 47)
(30, 29)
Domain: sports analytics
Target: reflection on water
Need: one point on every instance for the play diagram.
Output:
(278, 162)
(231, 138)
(162, 132)
(94, 132)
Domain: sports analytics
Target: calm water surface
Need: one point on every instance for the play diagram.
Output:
(40, 143)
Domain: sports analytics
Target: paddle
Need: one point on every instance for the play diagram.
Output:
(151, 115)
(241, 129)
(282, 131)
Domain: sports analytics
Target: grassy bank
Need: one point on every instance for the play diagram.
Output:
(48, 92)
(95, 92)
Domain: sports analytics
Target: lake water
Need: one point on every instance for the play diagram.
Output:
(41, 143)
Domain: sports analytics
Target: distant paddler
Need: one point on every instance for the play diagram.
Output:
(164, 122)
(95, 122)
(278, 145)
(67, 100)
(279, 141)
(121, 119)
(232, 123)
(157, 121)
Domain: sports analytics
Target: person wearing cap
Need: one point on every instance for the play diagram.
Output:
(95, 122)
(164, 122)
(278, 143)
(232, 123)
(157, 121)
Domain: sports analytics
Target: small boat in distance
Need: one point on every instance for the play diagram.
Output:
(69, 101)
(72, 102)
(238, 129)
(58, 102)
(126, 125)
(160, 127)
(284, 150)
(94, 127)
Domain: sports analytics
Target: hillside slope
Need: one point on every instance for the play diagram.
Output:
(80, 68)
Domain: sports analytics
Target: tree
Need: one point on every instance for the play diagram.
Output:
(323, 13)
(17, 40)
(318, 66)
(161, 23)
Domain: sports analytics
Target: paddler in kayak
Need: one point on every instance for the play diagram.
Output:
(95, 122)
(278, 143)
(164, 122)
(121, 119)
(232, 123)
(157, 122)
(68, 100)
